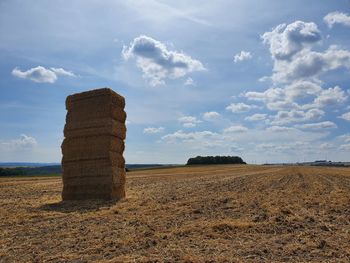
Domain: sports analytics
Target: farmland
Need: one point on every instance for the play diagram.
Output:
(218, 213)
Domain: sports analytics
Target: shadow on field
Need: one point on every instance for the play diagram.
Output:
(78, 206)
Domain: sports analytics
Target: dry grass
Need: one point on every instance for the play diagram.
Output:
(189, 214)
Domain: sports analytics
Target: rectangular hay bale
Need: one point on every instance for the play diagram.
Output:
(93, 164)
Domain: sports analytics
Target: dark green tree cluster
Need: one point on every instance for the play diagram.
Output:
(215, 160)
(48, 170)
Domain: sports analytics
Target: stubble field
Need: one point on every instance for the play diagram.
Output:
(221, 213)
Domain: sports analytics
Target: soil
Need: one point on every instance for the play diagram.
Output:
(220, 213)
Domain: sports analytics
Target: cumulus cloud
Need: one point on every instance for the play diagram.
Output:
(157, 62)
(235, 129)
(189, 82)
(211, 115)
(288, 97)
(345, 116)
(297, 94)
(344, 147)
(310, 65)
(337, 18)
(189, 124)
(280, 129)
(318, 125)
(152, 130)
(291, 141)
(287, 40)
(239, 107)
(23, 142)
(63, 72)
(344, 137)
(241, 56)
(285, 117)
(256, 117)
(41, 75)
(331, 97)
(188, 137)
(189, 121)
(326, 146)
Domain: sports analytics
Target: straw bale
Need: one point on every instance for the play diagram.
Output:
(96, 97)
(93, 164)
(105, 127)
(110, 142)
(90, 169)
(93, 123)
(94, 146)
(105, 111)
(118, 192)
(90, 180)
(116, 178)
(115, 158)
(83, 192)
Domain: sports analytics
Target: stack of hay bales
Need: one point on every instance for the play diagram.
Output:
(93, 164)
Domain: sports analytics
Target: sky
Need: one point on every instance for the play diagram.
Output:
(265, 80)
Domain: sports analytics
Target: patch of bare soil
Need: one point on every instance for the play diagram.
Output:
(191, 214)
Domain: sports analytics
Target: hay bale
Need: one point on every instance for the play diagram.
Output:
(114, 158)
(105, 111)
(96, 97)
(91, 147)
(93, 164)
(95, 127)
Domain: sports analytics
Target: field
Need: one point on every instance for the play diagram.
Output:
(222, 213)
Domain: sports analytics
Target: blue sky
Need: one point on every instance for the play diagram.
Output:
(267, 80)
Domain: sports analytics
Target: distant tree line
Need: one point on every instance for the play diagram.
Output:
(215, 160)
(47, 170)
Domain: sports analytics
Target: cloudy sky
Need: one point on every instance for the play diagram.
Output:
(265, 80)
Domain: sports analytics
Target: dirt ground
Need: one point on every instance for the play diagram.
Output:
(219, 213)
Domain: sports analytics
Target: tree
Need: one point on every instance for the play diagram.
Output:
(215, 160)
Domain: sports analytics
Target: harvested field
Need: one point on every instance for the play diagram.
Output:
(222, 213)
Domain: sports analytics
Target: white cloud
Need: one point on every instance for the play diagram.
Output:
(189, 124)
(211, 115)
(294, 96)
(318, 125)
(301, 90)
(243, 55)
(280, 129)
(331, 97)
(345, 147)
(189, 121)
(345, 116)
(296, 65)
(286, 142)
(190, 82)
(157, 62)
(264, 78)
(344, 137)
(274, 98)
(240, 107)
(326, 146)
(256, 117)
(337, 18)
(287, 40)
(153, 130)
(63, 72)
(285, 117)
(41, 75)
(188, 137)
(308, 65)
(23, 142)
(235, 128)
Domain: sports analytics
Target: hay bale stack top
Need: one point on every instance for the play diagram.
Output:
(93, 164)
